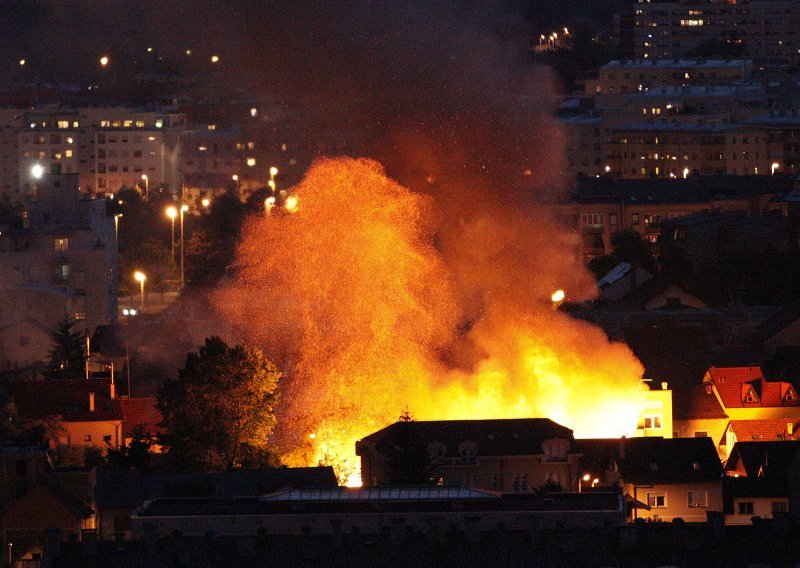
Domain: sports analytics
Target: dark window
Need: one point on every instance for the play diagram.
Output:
(21, 467)
(745, 508)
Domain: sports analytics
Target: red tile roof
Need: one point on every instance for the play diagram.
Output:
(735, 383)
(763, 430)
(140, 412)
(68, 398)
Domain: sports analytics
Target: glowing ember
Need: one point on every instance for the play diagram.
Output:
(366, 317)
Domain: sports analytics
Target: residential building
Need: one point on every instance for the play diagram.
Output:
(640, 75)
(516, 455)
(656, 417)
(757, 482)
(763, 30)
(601, 207)
(698, 414)
(89, 411)
(63, 263)
(108, 147)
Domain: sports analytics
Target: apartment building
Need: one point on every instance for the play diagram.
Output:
(109, 147)
(616, 77)
(601, 207)
(62, 263)
(765, 30)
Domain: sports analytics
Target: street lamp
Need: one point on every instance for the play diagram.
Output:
(37, 171)
(146, 181)
(104, 61)
(184, 209)
(775, 166)
(172, 212)
(581, 480)
(140, 277)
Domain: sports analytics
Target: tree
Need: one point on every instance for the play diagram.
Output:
(407, 456)
(220, 410)
(67, 356)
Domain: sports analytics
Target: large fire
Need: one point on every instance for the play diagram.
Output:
(369, 311)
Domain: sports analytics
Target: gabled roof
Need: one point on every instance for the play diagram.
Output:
(57, 491)
(670, 460)
(764, 430)
(129, 489)
(68, 398)
(746, 387)
(508, 437)
(762, 459)
(140, 412)
(693, 403)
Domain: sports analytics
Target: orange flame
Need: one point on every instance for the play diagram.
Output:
(366, 316)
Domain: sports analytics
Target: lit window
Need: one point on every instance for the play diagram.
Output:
(68, 153)
(251, 162)
(653, 421)
(159, 123)
(80, 316)
(61, 244)
(63, 123)
(127, 123)
(140, 124)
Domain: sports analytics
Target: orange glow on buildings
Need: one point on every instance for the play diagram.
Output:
(356, 303)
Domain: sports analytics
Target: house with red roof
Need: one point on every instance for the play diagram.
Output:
(89, 411)
(756, 409)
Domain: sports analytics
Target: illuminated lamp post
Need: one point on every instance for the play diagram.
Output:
(116, 226)
(37, 171)
(685, 173)
(140, 277)
(172, 212)
(775, 166)
(581, 480)
(235, 178)
(557, 298)
(146, 181)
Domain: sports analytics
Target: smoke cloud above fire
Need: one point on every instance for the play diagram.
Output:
(417, 271)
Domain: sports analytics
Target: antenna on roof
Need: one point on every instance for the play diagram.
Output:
(405, 416)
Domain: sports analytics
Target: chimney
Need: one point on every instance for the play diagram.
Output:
(91, 402)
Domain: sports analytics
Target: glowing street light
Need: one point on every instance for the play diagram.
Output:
(685, 173)
(558, 296)
(146, 181)
(104, 60)
(273, 171)
(291, 204)
(215, 59)
(775, 166)
(269, 203)
(140, 277)
(21, 62)
(172, 212)
(205, 202)
(37, 171)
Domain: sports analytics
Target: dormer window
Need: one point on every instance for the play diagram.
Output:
(750, 395)
(790, 395)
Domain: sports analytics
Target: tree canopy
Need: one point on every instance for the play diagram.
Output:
(220, 410)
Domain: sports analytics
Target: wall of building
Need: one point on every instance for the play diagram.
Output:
(676, 501)
(761, 506)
